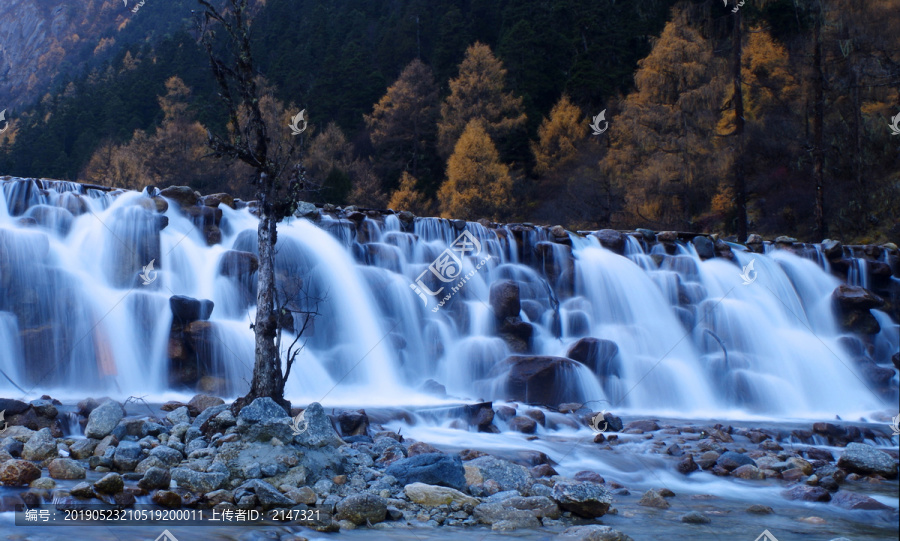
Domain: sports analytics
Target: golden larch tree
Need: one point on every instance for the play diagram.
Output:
(558, 136)
(478, 92)
(478, 184)
(407, 197)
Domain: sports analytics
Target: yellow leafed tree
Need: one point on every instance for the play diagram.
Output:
(478, 184)
(407, 197)
(479, 93)
(558, 136)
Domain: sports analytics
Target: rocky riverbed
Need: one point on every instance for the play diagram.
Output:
(702, 481)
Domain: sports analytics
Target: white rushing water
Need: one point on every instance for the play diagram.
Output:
(693, 340)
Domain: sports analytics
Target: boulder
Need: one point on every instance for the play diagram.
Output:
(216, 199)
(103, 419)
(40, 446)
(498, 513)
(694, 517)
(198, 481)
(16, 472)
(855, 298)
(83, 448)
(430, 469)
(362, 508)
(66, 468)
(597, 354)
(591, 532)
(611, 240)
(306, 210)
(507, 475)
(353, 423)
(433, 496)
(504, 299)
(127, 455)
(111, 483)
(319, 430)
(183, 195)
(155, 478)
(808, 494)
(525, 425)
(540, 380)
(237, 264)
(852, 500)
(705, 247)
(187, 309)
(833, 249)
(865, 459)
(267, 495)
(731, 460)
(652, 498)
(168, 499)
(585, 499)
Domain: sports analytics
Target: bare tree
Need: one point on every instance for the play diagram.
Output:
(276, 174)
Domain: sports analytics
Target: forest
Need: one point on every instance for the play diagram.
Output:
(769, 117)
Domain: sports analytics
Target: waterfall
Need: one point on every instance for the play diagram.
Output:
(692, 338)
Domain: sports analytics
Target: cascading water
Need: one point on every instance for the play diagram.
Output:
(691, 337)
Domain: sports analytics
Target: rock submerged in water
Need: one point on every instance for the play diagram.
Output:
(591, 532)
(541, 380)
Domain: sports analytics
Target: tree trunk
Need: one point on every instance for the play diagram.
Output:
(740, 188)
(818, 127)
(267, 377)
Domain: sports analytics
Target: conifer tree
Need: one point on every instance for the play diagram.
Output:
(558, 136)
(478, 184)
(479, 92)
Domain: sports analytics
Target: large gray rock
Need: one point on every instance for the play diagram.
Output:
(128, 454)
(507, 475)
(705, 247)
(155, 478)
(588, 500)
(433, 496)
(362, 508)
(268, 496)
(852, 500)
(504, 298)
(611, 240)
(512, 518)
(168, 456)
(264, 419)
(865, 459)
(431, 469)
(103, 419)
(319, 430)
(538, 379)
(17, 472)
(732, 461)
(591, 532)
(187, 309)
(66, 468)
(597, 354)
(198, 481)
(306, 210)
(856, 298)
(40, 446)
